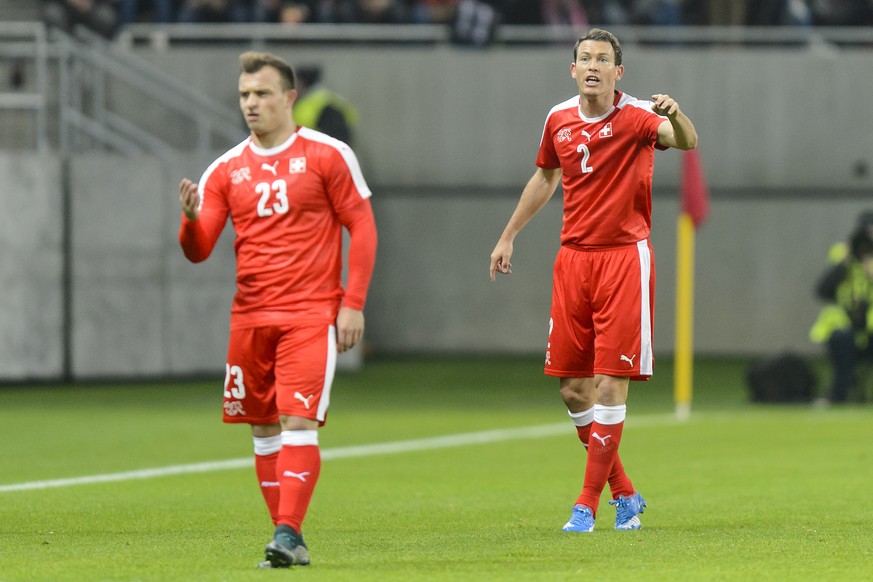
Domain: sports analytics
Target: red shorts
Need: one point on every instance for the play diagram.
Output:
(602, 313)
(273, 370)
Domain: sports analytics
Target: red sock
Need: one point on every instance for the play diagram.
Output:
(265, 469)
(602, 453)
(619, 482)
(298, 468)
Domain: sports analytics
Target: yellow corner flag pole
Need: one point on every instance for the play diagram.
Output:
(684, 352)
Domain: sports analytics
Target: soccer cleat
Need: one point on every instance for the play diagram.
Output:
(287, 549)
(627, 511)
(581, 520)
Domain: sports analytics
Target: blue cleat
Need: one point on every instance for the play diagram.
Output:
(581, 520)
(627, 510)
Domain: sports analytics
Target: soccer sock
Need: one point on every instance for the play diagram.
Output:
(266, 455)
(619, 482)
(602, 451)
(298, 467)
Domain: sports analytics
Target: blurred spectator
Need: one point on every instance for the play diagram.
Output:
(432, 11)
(725, 13)
(845, 323)
(612, 13)
(317, 107)
(295, 13)
(97, 15)
(130, 11)
(843, 12)
(378, 12)
(561, 12)
(657, 12)
(213, 11)
(475, 23)
(779, 12)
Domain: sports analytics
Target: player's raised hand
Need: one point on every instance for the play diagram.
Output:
(189, 199)
(665, 105)
(500, 259)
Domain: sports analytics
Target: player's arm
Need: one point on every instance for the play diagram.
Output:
(198, 232)
(536, 193)
(361, 225)
(678, 131)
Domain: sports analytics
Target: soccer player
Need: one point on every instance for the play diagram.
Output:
(288, 191)
(599, 145)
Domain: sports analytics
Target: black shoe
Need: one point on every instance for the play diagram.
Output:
(287, 549)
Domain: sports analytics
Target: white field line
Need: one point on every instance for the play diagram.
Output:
(375, 449)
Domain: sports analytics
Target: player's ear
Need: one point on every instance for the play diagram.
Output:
(619, 72)
(291, 96)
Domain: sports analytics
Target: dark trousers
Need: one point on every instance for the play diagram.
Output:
(845, 357)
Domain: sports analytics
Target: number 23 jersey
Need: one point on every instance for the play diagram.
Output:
(288, 205)
(606, 165)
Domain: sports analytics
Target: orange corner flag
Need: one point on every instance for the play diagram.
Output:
(695, 193)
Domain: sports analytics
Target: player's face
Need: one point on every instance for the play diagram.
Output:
(265, 105)
(595, 70)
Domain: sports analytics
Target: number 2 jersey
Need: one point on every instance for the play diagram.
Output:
(288, 205)
(606, 164)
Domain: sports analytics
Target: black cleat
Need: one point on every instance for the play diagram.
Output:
(287, 549)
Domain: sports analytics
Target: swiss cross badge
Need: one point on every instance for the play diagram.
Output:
(606, 130)
(297, 165)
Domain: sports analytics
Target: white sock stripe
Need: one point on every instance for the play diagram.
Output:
(267, 445)
(609, 414)
(299, 438)
(583, 418)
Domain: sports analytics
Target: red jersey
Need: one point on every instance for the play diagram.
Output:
(288, 205)
(606, 165)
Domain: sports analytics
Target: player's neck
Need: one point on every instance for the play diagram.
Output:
(269, 140)
(595, 106)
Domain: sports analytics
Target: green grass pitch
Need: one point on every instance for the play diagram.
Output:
(738, 492)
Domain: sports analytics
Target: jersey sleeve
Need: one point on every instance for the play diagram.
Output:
(198, 237)
(350, 198)
(649, 122)
(547, 157)
(361, 224)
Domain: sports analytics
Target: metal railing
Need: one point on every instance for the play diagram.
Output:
(72, 77)
(172, 35)
(26, 41)
(88, 63)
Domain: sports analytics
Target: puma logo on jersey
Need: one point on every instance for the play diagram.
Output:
(302, 476)
(602, 439)
(304, 399)
(587, 135)
(272, 168)
(629, 360)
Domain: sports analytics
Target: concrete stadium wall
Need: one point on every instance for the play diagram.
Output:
(138, 308)
(767, 117)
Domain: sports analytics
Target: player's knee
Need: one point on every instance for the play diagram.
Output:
(612, 390)
(577, 393)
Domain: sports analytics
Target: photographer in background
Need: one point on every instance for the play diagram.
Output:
(845, 323)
